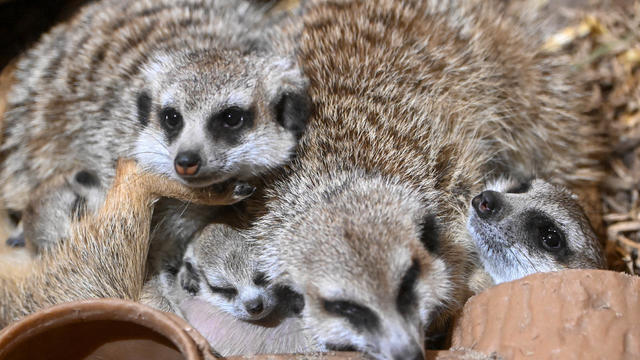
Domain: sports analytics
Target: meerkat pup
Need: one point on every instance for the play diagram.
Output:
(193, 90)
(105, 253)
(221, 267)
(219, 289)
(521, 228)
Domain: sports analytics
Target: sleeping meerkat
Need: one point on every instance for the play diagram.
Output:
(414, 101)
(105, 253)
(193, 90)
(221, 267)
(217, 287)
(524, 228)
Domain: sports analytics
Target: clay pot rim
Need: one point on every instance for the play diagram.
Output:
(172, 328)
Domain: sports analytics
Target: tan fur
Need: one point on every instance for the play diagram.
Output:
(105, 254)
(416, 102)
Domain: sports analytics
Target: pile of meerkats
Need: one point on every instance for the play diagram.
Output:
(380, 162)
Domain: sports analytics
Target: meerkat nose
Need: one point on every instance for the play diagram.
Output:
(255, 306)
(187, 163)
(486, 204)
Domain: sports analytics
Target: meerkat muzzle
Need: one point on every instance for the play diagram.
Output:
(187, 163)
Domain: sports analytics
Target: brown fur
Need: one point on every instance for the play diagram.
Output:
(416, 104)
(106, 253)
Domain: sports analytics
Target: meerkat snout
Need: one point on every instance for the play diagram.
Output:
(486, 204)
(524, 228)
(187, 163)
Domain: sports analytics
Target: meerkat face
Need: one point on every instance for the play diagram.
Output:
(212, 116)
(524, 228)
(221, 268)
(370, 282)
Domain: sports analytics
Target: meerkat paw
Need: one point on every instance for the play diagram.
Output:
(226, 193)
(189, 279)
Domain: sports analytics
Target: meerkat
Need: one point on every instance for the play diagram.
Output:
(105, 253)
(522, 228)
(415, 103)
(193, 90)
(221, 267)
(217, 287)
(63, 200)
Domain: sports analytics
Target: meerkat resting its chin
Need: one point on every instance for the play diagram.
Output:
(220, 291)
(194, 90)
(105, 253)
(521, 228)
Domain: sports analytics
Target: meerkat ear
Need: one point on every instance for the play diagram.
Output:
(189, 279)
(429, 233)
(293, 110)
(287, 90)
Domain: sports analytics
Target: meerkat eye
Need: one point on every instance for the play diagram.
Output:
(234, 117)
(358, 315)
(260, 279)
(228, 292)
(551, 238)
(170, 119)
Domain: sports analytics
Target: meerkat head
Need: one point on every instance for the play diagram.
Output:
(524, 228)
(214, 115)
(362, 251)
(220, 267)
(54, 207)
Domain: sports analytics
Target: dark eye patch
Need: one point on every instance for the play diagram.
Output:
(429, 233)
(361, 317)
(544, 234)
(406, 294)
(172, 122)
(228, 292)
(227, 125)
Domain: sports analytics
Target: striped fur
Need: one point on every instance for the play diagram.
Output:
(93, 90)
(74, 102)
(416, 104)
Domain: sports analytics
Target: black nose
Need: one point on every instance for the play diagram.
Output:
(486, 204)
(413, 352)
(187, 163)
(254, 307)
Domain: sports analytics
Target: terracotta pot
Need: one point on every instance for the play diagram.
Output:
(102, 329)
(573, 314)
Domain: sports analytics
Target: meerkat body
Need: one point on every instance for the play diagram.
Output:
(217, 287)
(414, 104)
(105, 253)
(524, 228)
(194, 90)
